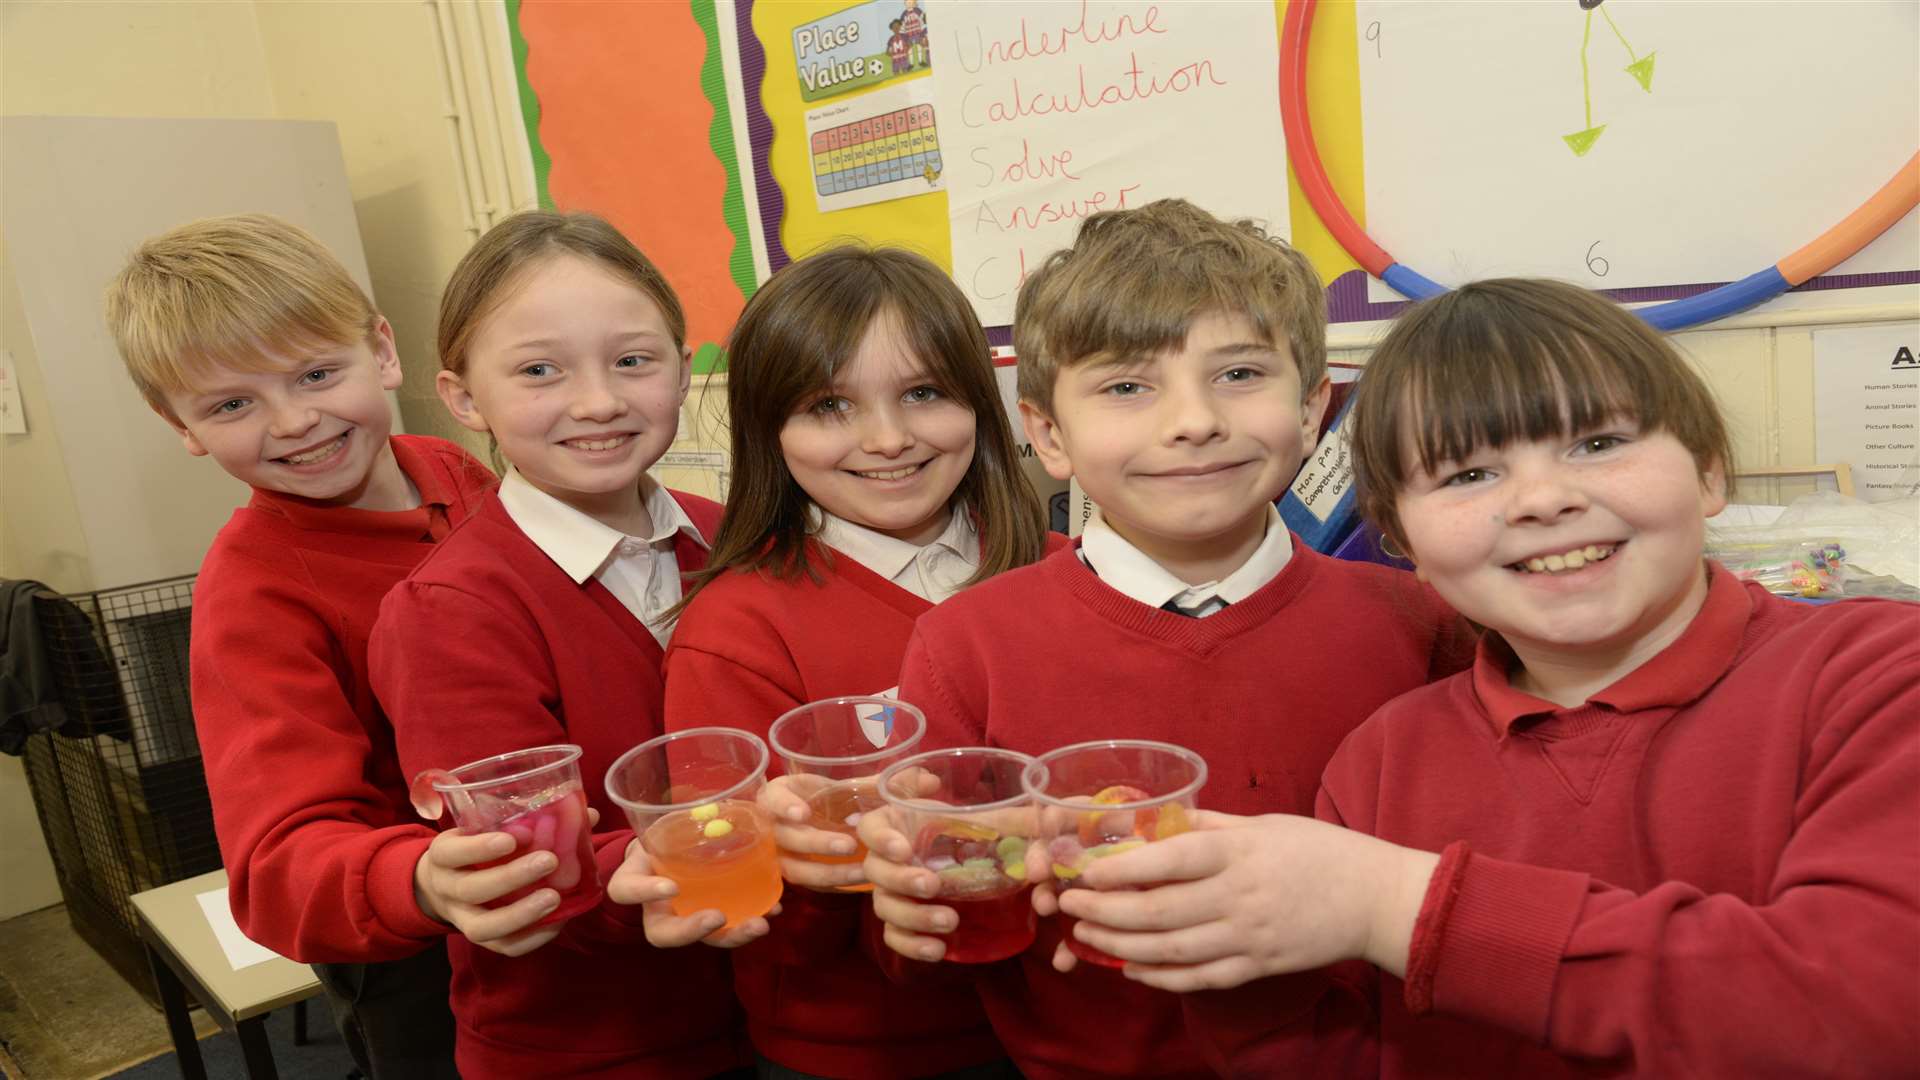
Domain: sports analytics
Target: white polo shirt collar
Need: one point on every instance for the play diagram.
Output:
(1129, 570)
(932, 572)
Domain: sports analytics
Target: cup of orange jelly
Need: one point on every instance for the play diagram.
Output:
(690, 798)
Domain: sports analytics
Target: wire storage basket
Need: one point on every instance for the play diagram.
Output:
(118, 784)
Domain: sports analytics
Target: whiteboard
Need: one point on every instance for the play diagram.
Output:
(1487, 152)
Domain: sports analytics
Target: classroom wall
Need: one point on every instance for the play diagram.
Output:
(1763, 379)
(375, 70)
(372, 69)
(199, 59)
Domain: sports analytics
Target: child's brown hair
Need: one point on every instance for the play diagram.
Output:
(803, 326)
(1517, 359)
(229, 292)
(495, 264)
(1135, 280)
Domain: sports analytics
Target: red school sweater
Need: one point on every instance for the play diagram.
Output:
(1708, 869)
(1049, 655)
(309, 803)
(490, 647)
(749, 648)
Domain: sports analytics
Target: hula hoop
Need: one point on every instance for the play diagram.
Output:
(1888, 205)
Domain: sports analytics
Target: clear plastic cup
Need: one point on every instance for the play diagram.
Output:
(690, 799)
(1097, 799)
(971, 821)
(536, 797)
(833, 752)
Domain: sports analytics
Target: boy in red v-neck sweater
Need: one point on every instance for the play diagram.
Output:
(1175, 366)
(256, 346)
(1663, 827)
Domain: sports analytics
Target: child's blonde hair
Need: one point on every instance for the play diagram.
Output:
(803, 326)
(1135, 280)
(488, 272)
(1514, 359)
(229, 292)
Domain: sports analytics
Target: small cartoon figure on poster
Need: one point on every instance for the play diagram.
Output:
(913, 25)
(897, 48)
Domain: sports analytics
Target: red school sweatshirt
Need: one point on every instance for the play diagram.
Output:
(491, 647)
(1265, 690)
(309, 803)
(749, 648)
(1708, 869)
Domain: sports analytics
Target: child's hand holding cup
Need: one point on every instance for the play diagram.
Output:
(833, 752)
(1105, 798)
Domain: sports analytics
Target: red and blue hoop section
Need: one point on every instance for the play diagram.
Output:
(1888, 205)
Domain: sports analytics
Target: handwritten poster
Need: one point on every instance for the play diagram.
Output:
(1866, 406)
(1049, 112)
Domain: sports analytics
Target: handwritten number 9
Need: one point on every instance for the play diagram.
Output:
(1597, 265)
(1373, 35)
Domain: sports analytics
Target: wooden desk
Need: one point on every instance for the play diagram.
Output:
(187, 958)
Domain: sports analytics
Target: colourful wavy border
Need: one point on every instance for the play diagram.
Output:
(529, 107)
(753, 73)
(713, 82)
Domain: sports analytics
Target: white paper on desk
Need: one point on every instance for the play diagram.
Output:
(242, 951)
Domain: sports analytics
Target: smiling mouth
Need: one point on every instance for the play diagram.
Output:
(888, 474)
(596, 445)
(316, 454)
(1198, 470)
(1566, 561)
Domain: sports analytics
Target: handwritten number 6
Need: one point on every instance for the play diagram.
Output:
(1597, 265)
(1373, 35)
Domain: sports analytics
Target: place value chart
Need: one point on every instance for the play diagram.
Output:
(878, 146)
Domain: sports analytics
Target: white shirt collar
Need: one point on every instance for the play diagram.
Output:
(1127, 569)
(577, 543)
(932, 572)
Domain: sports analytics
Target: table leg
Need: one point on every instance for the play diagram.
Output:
(254, 1048)
(173, 1003)
(300, 1023)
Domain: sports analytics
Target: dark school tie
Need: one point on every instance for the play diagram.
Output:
(1195, 613)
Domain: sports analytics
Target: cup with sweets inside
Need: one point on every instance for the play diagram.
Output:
(833, 752)
(533, 795)
(1103, 798)
(968, 818)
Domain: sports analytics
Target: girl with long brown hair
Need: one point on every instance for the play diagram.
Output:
(874, 475)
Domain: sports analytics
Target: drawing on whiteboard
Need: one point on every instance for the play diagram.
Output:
(1640, 67)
